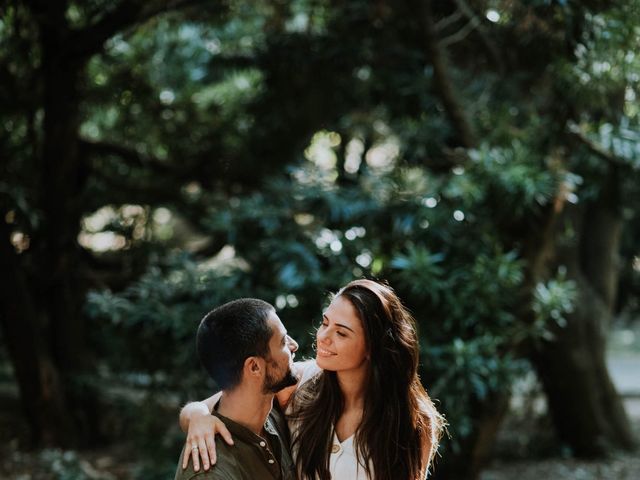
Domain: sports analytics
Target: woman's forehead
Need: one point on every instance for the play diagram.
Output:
(343, 310)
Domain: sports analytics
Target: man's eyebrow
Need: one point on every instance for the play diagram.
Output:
(339, 324)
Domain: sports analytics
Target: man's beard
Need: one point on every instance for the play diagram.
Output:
(274, 385)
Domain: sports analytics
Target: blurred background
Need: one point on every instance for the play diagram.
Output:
(159, 158)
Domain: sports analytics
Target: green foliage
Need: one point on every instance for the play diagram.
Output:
(161, 310)
(420, 271)
(66, 465)
(307, 143)
(516, 173)
(296, 240)
(554, 300)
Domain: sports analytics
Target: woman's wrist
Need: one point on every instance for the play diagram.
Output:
(191, 410)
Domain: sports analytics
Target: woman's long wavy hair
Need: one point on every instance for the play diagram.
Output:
(400, 428)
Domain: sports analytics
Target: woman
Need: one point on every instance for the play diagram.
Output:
(359, 411)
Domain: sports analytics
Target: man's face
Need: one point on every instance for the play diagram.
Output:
(279, 362)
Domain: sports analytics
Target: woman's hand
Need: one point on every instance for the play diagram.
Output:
(201, 440)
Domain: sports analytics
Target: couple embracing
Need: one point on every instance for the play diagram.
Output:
(356, 412)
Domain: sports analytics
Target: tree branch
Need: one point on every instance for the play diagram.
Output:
(493, 50)
(88, 41)
(461, 34)
(134, 190)
(446, 21)
(442, 78)
(129, 155)
(161, 181)
(236, 61)
(598, 150)
(119, 190)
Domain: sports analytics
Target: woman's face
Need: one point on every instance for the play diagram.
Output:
(340, 339)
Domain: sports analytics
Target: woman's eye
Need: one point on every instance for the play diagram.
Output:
(340, 334)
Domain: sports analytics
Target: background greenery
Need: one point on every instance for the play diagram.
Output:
(162, 157)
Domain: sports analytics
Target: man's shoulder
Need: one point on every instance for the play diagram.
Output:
(217, 472)
(226, 467)
(214, 473)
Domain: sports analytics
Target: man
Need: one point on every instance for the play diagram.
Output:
(246, 350)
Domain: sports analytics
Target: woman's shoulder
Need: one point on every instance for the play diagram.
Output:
(305, 371)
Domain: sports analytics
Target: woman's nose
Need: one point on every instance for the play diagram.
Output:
(322, 336)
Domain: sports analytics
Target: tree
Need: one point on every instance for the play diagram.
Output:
(43, 290)
(388, 57)
(456, 135)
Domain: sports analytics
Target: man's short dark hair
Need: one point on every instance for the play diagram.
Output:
(231, 333)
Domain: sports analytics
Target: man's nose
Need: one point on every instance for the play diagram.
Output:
(293, 345)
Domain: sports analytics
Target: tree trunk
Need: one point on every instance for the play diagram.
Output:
(41, 391)
(475, 450)
(586, 408)
(47, 345)
(61, 203)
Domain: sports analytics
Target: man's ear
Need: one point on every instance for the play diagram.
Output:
(254, 367)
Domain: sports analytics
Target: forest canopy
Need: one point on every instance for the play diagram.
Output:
(162, 157)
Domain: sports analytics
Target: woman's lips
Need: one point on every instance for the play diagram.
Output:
(324, 353)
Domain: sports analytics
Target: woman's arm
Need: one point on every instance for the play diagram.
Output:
(201, 427)
(204, 407)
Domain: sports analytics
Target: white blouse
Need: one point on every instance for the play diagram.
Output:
(343, 463)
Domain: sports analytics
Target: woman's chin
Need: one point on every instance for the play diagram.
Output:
(323, 363)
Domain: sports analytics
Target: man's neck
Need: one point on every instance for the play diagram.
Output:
(246, 407)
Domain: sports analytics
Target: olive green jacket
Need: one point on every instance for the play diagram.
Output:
(252, 457)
